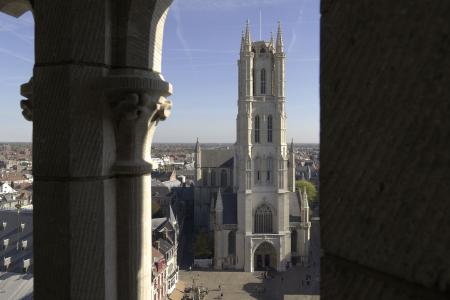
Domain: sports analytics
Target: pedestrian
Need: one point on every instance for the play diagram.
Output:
(221, 295)
(220, 288)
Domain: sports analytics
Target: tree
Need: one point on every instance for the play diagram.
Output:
(310, 189)
(202, 246)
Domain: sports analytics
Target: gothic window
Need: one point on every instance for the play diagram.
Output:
(263, 81)
(262, 50)
(269, 169)
(294, 241)
(263, 219)
(213, 178)
(269, 129)
(232, 243)
(205, 177)
(223, 178)
(257, 128)
(257, 170)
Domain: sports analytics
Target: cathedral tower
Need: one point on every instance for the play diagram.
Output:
(261, 156)
(263, 223)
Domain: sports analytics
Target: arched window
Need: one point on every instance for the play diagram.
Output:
(213, 178)
(257, 170)
(269, 169)
(263, 81)
(223, 178)
(262, 50)
(232, 243)
(257, 130)
(294, 241)
(205, 177)
(263, 219)
(269, 129)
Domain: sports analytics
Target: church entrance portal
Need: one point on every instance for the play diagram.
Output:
(265, 257)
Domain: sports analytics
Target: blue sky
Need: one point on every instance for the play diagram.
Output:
(201, 48)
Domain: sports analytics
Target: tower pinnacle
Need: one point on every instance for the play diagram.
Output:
(219, 203)
(197, 146)
(271, 39)
(280, 46)
(247, 37)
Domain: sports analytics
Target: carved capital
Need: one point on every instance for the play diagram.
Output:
(138, 101)
(26, 90)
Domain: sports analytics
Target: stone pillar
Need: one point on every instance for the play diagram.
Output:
(95, 99)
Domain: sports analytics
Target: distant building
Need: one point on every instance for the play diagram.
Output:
(5, 188)
(258, 219)
(165, 240)
(16, 240)
(159, 267)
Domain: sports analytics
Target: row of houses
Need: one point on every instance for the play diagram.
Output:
(165, 259)
(16, 237)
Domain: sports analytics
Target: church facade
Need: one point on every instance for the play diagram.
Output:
(246, 196)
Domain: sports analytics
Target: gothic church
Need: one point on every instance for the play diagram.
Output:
(246, 196)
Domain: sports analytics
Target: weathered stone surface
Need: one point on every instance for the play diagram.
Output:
(70, 116)
(97, 97)
(66, 212)
(385, 140)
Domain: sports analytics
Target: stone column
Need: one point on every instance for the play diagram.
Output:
(137, 100)
(95, 99)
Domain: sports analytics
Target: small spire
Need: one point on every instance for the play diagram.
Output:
(172, 218)
(280, 46)
(242, 42)
(247, 37)
(219, 203)
(292, 146)
(197, 146)
(271, 40)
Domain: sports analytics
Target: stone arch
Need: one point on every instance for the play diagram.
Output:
(265, 256)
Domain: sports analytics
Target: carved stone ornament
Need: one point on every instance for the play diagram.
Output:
(138, 102)
(26, 90)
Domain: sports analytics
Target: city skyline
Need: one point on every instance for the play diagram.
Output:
(201, 48)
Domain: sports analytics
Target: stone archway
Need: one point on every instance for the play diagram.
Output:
(265, 257)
